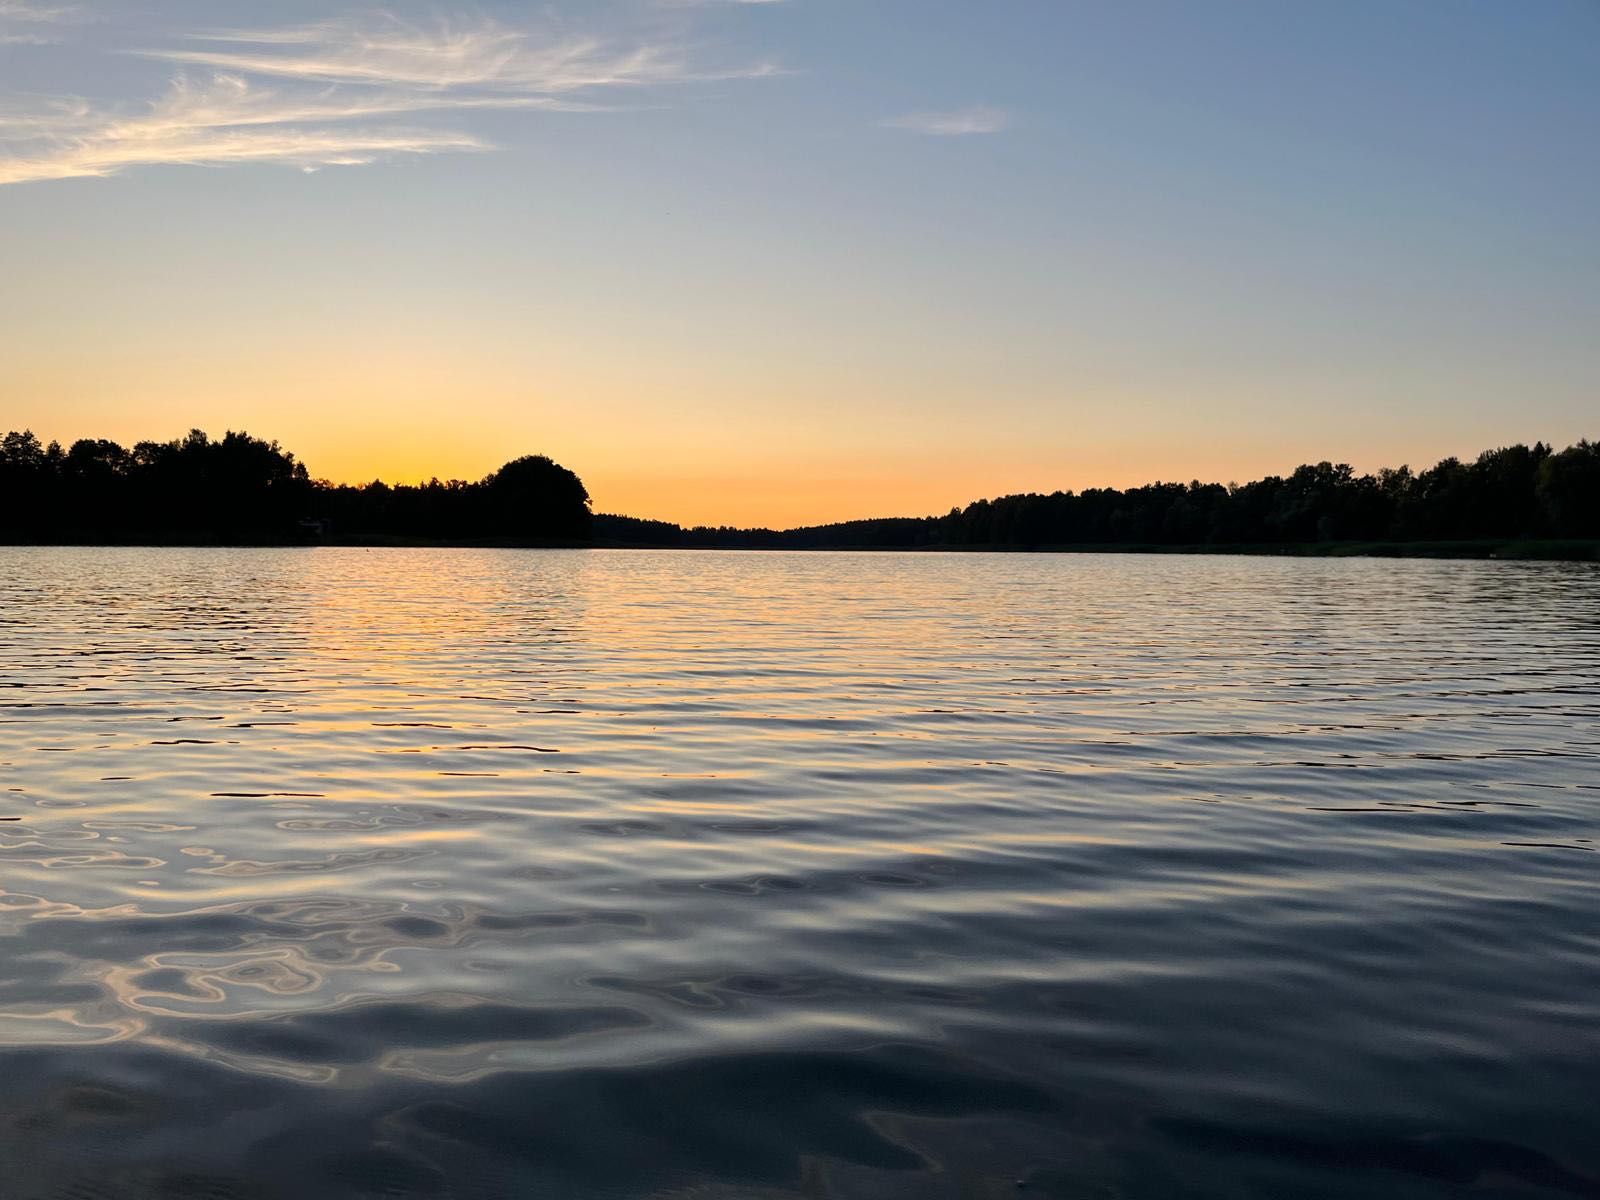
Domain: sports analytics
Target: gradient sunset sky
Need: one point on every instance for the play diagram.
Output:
(787, 261)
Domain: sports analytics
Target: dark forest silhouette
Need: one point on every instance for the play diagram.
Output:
(242, 490)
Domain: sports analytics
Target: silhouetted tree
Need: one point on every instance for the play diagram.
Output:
(243, 489)
(1567, 487)
(532, 497)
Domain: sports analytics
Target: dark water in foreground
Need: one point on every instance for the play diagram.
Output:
(483, 874)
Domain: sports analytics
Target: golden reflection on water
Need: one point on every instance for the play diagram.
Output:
(960, 836)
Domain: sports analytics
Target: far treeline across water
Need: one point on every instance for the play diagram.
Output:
(1526, 501)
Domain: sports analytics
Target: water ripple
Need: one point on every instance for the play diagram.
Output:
(332, 873)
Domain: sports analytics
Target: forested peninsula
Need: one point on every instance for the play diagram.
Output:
(1515, 501)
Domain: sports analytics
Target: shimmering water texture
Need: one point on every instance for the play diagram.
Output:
(341, 873)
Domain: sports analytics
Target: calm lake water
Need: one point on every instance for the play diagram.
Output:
(333, 873)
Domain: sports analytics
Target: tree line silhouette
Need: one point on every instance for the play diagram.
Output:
(239, 489)
(242, 490)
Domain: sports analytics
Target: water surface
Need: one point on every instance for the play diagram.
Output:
(332, 873)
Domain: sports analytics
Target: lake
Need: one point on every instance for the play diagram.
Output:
(460, 873)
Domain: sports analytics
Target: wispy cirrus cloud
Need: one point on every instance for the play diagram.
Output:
(327, 94)
(26, 22)
(32, 12)
(220, 121)
(710, 3)
(961, 122)
(449, 55)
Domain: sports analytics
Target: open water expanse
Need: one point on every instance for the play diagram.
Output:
(458, 873)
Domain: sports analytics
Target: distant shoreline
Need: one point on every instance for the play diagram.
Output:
(1531, 550)
(1541, 550)
(1519, 501)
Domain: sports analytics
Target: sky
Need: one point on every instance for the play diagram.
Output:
(790, 261)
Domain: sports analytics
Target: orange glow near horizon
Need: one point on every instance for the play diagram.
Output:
(707, 425)
(685, 440)
(800, 482)
(782, 494)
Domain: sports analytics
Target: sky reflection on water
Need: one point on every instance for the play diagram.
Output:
(479, 873)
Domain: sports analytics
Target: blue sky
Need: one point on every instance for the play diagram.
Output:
(800, 260)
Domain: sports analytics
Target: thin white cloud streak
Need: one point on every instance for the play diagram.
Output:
(15, 13)
(485, 55)
(232, 100)
(711, 3)
(227, 121)
(337, 87)
(23, 10)
(308, 149)
(962, 122)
